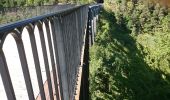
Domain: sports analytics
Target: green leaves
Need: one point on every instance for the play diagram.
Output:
(12, 3)
(131, 55)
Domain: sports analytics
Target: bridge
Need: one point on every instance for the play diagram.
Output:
(52, 51)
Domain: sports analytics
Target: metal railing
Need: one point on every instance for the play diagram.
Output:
(83, 93)
(65, 33)
(12, 14)
(93, 17)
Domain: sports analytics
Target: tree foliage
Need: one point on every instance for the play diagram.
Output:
(12, 3)
(131, 55)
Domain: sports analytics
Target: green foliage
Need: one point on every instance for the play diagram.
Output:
(22, 12)
(12, 3)
(38, 2)
(21, 2)
(131, 55)
(30, 2)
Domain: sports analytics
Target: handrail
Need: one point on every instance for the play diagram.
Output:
(62, 38)
(24, 22)
(20, 13)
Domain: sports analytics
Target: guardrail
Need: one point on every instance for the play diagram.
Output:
(12, 14)
(62, 38)
(83, 93)
(93, 17)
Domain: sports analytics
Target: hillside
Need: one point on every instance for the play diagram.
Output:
(131, 55)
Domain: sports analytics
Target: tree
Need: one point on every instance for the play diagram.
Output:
(30, 2)
(38, 2)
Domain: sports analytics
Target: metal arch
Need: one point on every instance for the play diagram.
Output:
(49, 39)
(36, 24)
(51, 20)
(46, 62)
(30, 28)
(4, 71)
(20, 47)
(6, 79)
(15, 34)
(36, 60)
(45, 21)
(39, 24)
(2, 39)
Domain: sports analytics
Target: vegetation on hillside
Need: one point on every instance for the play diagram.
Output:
(14, 10)
(13, 3)
(131, 55)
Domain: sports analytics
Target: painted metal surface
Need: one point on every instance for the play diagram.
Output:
(56, 56)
